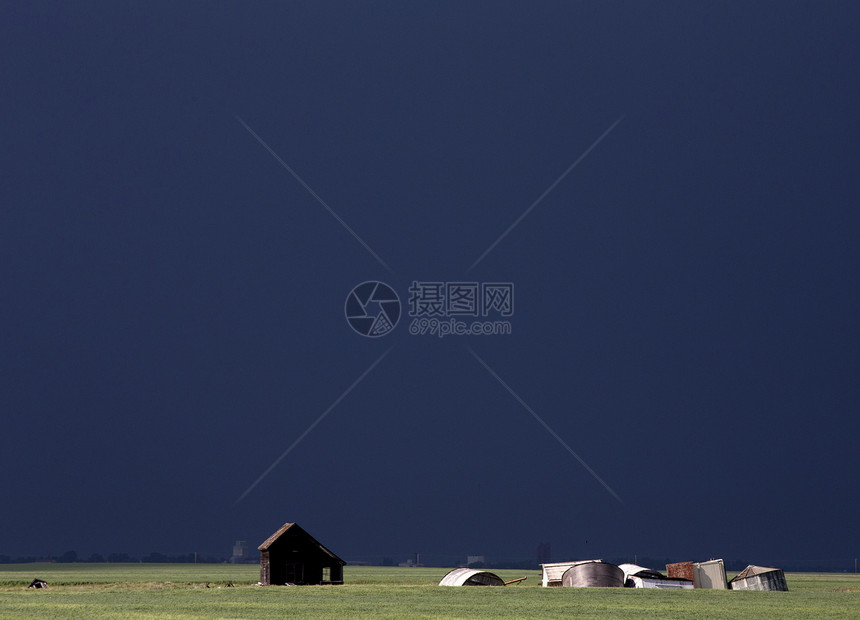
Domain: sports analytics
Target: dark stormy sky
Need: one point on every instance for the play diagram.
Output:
(686, 298)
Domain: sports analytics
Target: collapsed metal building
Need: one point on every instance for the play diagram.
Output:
(710, 575)
(636, 576)
(293, 556)
(760, 578)
(471, 577)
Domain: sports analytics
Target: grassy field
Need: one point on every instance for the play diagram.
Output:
(180, 591)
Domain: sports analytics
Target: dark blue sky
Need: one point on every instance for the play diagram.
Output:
(687, 299)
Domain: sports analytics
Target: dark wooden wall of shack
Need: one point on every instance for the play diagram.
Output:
(301, 552)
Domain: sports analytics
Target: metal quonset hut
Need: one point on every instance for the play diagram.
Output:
(759, 578)
(291, 555)
(471, 577)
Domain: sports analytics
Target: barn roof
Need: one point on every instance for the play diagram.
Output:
(296, 529)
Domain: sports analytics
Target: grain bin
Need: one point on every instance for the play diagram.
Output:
(595, 574)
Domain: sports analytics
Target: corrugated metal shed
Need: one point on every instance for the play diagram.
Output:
(760, 578)
(710, 575)
(471, 577)
(553, 572)
(593, 575)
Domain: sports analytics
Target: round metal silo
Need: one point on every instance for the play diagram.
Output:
(593, 575)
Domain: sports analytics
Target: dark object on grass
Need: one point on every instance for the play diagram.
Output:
(595, 574)
(39, 584)
(760, 578)
(291, 555)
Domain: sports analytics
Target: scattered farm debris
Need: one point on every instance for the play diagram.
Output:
(681, 575)
(513, 581)
(710, 575)
(636, 576)
(38, 584)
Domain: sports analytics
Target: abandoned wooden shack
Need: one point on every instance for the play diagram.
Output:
(291, 555)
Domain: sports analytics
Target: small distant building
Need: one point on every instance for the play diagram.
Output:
(471, 577)
(291, 555)
(759, 578)
(240, 552)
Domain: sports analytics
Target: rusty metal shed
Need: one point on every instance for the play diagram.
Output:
(291, 555)
(471, 577)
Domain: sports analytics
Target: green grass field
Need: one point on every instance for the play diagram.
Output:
(179, 591)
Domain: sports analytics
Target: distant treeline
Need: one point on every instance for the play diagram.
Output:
(841, 565)
(154, 557)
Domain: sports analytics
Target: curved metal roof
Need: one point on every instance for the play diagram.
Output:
(471, 577)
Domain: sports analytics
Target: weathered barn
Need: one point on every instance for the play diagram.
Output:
(759, 578)
(291, 555)
(471, 577)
